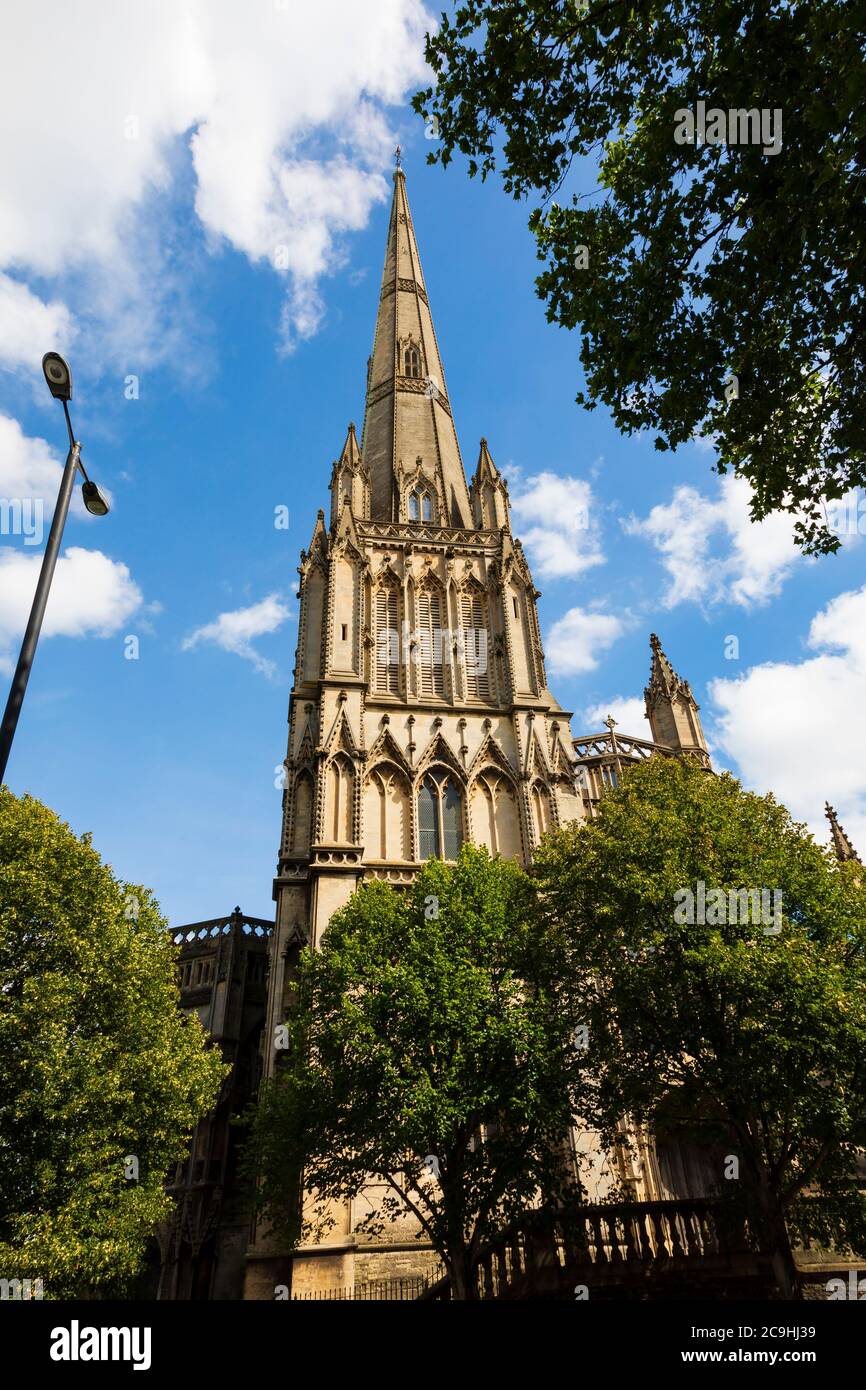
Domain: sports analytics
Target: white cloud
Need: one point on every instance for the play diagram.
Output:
(234, 631)
(577, 640)
(628, 711)
(91, 595)
(711, 549)
(276, 111)
(29, 326)
(796, 728)
(558, 523)
(30, 469)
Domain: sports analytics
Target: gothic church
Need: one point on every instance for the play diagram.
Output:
(420, 714)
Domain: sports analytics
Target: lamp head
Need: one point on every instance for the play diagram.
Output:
(93, 499)
(58, 376)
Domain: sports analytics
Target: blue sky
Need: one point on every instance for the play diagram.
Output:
(212, 222)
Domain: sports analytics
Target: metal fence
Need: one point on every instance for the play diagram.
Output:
(378, 1290)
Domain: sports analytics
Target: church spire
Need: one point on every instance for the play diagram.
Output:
(845, 851)
(488, 493)
(349, 480)
(408, 427)
(672, 709)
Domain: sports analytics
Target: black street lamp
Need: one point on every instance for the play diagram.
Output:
(59, 379)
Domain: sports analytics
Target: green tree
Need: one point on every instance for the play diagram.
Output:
(749, 1034)
(429, 1051)
(719, 288)
(102, 1077)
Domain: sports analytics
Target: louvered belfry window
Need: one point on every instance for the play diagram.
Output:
(387, 648)
(440, 816)
(428, 640)
(473, 618)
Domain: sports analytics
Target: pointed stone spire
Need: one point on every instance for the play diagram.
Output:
(486, 466)
(672, 709)
(488, 493)
(408, 414)
(318, 551)
(349, 480)
(845, 851)
(351, 453)
(663, 677)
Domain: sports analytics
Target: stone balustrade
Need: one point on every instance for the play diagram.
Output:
(627, 1247)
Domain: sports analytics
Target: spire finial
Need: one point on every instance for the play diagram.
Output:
(845, 851)
(661, 672)
(398, 158)
(610, 723)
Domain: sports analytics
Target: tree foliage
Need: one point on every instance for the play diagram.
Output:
(429, 1052)
(99, 1065)
(703, 262)
(728, 1032)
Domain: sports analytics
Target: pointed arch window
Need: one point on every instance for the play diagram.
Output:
(440, 816)
(303, 813)
(428, 643)
(412, 361)
(420, 505)
(542, 810)
(474, 638)
(495, 817)
(341, 792)
(387, 805)
(428, 820)
(387, 640)
(451, 809)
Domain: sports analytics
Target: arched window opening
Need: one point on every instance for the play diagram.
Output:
(413, 361)
(440, 816)
(495, 817)
(342, 790)
(451, 807)
(483, 809)
(542, 808)
(303, 813)
(420, 505)
(428, 643)
(387, 801)
(473, 620)
(379, 843)
(387, 649)
(428, 820)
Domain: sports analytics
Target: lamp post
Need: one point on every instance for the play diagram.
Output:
(59, 379)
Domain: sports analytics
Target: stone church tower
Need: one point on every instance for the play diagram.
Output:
(420, 715)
